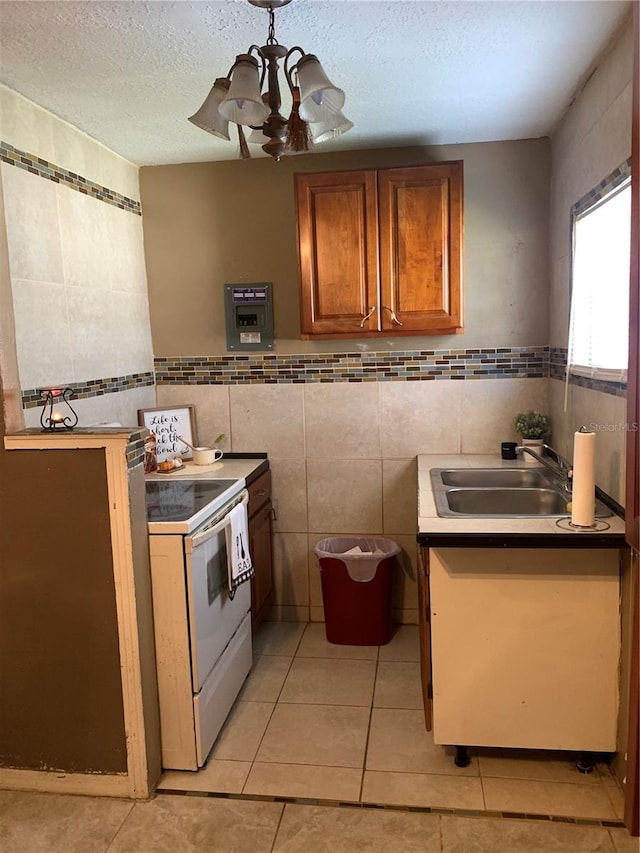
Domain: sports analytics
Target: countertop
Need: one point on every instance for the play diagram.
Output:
(434, 531)
(234, 466)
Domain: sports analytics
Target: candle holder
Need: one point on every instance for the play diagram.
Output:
(57, 412)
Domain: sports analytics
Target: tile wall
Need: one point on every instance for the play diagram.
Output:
(78, 279)
(602, 412)
(343, 460)
(591, 141)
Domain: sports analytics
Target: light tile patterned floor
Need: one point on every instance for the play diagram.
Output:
(358, 739)
(52, 823)
(321, 722)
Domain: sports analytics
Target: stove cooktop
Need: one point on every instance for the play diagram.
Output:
(186, 503)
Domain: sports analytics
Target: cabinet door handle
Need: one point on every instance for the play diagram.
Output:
(366, 317)
(394, 319)
(262, 492)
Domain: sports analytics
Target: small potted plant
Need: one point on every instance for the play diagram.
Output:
(533, 428)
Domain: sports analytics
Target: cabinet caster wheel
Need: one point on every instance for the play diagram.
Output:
(585, 763)
(462, 757)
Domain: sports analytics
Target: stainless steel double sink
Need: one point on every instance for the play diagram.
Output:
(502, 493)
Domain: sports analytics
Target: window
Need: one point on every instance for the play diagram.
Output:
(599, 325)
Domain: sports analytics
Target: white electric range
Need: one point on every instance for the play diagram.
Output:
(202, 636)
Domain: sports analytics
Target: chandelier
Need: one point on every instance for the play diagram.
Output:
(242, 98)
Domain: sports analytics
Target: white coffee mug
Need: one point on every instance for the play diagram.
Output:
(206, 455)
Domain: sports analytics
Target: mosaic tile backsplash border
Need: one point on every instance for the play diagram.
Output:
(135, 450)
(614, 179)
(93, 388)
(558, 367)
(410, 366)
(44, 169)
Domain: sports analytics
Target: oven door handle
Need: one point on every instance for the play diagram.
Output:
(192, 542)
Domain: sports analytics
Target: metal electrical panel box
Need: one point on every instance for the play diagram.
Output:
(248, 311)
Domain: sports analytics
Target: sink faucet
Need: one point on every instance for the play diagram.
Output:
(561, 462)
(559, 465)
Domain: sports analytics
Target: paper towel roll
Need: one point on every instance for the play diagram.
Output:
(584, 479)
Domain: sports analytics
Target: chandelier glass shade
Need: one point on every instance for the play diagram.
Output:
(249, 96)
(243, 102)
(332, 127)
(208, 116)
(319, 98)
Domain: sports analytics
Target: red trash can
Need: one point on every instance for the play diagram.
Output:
(356, 589)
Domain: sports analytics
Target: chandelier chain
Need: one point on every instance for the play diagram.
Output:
(271, 37)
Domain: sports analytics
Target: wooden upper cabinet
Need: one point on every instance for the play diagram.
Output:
(421, 248)
(338, 244)
(381, 251)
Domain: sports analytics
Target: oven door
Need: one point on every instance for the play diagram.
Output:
(213, 616)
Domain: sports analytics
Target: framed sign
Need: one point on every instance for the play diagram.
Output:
(167, 424)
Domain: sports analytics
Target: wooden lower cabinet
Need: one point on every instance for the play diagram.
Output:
(260, 513)
(525, 645)
(424, 620)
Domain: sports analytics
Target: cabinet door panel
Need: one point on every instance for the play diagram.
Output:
(424, 621)
(421, 248)
(337, 229)
(260, 547)
(259, 492)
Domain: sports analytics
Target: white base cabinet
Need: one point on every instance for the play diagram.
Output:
(525, 647)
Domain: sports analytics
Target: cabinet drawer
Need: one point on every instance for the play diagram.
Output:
(259, 492)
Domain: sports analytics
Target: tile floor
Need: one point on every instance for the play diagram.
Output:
(53, 823)
(326, 723)
(323, 722)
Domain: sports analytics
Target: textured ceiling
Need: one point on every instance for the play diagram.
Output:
(414, 72)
